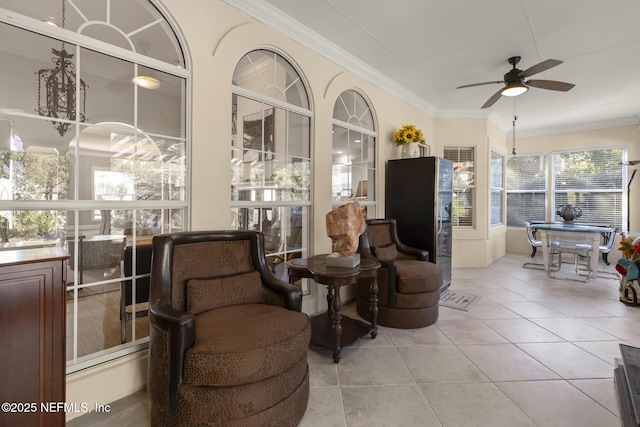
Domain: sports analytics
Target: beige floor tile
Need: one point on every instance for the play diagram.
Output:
(362, 366)
(504, 295)
(506, 362)
(322, 371)
(521, 330)
(448, 313)
(573, 308)
(622, 327)
(568, 360)
(420, 336)
(473, 405)
(487, 309)
(531, 309)
(574, 330)
(324, 408)
(386, 406)
(605, 350)
(439, 364)
(602, 391)
(557, 404)
(470, 331)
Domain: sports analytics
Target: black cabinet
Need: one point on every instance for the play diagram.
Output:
(419, 195)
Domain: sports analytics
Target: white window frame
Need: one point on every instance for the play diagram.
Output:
(74, 205)
(354, 125)
(497, 188)
(471, 188)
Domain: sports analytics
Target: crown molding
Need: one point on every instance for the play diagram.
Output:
(269, 15)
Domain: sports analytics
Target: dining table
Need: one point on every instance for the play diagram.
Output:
(590, 234)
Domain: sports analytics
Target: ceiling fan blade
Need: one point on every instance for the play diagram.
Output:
(493, 99)
(550, 84)
(538, 68)
(479, 84)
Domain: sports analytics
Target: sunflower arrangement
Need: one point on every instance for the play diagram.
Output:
(408, 134)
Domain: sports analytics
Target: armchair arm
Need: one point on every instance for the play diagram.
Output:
(292, 294)
(181, 327)
(419, 254)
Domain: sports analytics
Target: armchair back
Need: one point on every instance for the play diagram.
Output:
(197, 255)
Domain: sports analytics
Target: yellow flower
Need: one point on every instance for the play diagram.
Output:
(408, 134)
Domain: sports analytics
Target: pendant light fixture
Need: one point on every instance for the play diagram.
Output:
(59, 84)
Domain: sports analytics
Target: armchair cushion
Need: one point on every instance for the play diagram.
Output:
(243, 344)
(207, 294)
(416, 277)
(386, 252)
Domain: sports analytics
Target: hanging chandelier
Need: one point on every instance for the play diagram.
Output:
(59, 83)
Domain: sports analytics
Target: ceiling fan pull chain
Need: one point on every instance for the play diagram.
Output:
(513, 151)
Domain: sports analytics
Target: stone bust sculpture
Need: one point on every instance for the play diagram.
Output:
(344, 225)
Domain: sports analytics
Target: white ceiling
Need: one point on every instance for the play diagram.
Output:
(424, 49)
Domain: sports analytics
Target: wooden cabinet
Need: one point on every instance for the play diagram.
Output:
(32, 335)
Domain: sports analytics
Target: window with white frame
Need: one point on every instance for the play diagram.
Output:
(464, 185)
(594, 181)
(497, 188)
(52, 141)
(527, 184)
(271, 156)
(354, 146)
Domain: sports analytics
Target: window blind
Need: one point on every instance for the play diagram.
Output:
(592, 180)
(526, 189)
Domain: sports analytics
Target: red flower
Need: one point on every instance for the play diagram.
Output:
(620, 269)
(637, 248)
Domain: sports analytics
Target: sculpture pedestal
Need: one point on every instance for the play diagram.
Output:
(345, 261)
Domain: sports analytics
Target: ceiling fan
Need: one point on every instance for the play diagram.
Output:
(515, 83)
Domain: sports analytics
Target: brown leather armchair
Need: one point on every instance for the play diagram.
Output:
(409, 285)
(228, 343)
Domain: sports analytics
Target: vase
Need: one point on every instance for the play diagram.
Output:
(410, 150)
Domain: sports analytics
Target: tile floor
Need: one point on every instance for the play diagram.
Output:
(533, 351)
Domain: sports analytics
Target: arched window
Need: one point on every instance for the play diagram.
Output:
(354, 150)
(93, 150)
(270, 155)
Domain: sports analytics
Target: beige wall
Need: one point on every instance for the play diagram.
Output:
(480, 245)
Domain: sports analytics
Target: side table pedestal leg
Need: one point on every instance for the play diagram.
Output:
(373, 307)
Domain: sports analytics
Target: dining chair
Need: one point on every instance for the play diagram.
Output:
(574, 245)
(534, 245)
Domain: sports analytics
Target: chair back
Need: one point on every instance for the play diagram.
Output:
(379, 233)
(180, 257)
(532, 240)
(610, 241)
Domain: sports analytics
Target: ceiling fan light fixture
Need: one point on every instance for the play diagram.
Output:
(146, 82)
(514, 89)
